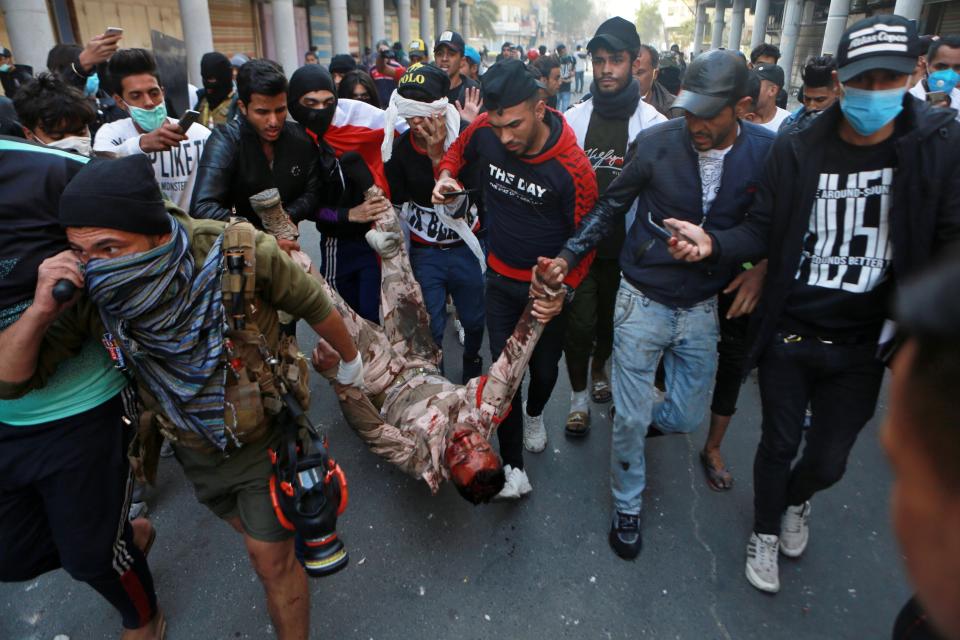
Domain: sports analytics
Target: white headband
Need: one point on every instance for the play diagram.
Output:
(405, 108)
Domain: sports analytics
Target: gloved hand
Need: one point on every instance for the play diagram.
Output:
(351, 373)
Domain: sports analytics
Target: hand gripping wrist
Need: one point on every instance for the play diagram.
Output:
(351, 373)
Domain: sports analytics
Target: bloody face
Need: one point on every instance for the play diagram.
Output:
(467, 453)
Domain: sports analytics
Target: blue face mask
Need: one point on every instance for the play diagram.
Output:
(4, 67)
(944, 80)
(93, 85)
(149, 119)
(868, 111)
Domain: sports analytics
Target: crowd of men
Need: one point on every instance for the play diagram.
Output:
(673, 230)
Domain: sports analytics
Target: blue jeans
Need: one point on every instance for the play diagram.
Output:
(642, 331)
(455, 271)
(563, 101)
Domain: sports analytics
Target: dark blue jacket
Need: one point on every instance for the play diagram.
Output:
(664, 176)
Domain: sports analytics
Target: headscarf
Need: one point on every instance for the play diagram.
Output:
(217, 77)
(304, 80)
(169, 320)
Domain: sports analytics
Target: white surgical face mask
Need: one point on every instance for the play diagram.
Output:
(74, 144)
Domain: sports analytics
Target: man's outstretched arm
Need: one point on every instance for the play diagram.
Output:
(506, 373)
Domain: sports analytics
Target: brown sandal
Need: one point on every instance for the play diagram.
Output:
(600, 391)
(578, 424)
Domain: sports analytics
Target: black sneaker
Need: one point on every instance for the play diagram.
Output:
(472, 368)
(625, 539)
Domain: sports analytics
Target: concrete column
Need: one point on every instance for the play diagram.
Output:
(31, 32)
(736, 25)
(466, 27)
(403, 17)
(375, 9)
(788, 39)
(285, 36)
(806, 15)
(836, 25)
(439, 19)
(760, 14)
(699, 27)
(339, 27)
(197, 34)
(455, 15)
(716, 40)
(909, 9)
(426, 27)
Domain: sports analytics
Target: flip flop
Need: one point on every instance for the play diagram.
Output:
(717, 479)
(600, 392)
(150, 540)
(578, 424)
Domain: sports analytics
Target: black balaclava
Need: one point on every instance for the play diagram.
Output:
(311, 77)
(217, 77)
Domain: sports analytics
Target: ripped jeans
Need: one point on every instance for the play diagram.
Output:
(642, 331)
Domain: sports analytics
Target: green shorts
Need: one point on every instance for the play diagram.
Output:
(237, 485)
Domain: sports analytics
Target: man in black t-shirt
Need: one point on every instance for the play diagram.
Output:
(463, 93)
(870, 189)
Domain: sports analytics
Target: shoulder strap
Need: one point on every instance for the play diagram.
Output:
(240, 270)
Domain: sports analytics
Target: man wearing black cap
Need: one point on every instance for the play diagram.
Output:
(603, 124)
(442, 258)
(257, 151)
(767, 113)
(863, 197)
(507, 51)
(537, 184)
(463, 93)
(340, 65)
(159, 274)
(217, 100)
(702, 169)
(12, 75)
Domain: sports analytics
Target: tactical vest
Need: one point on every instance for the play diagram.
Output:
(254, 373)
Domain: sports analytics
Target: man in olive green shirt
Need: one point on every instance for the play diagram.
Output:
(154, 292)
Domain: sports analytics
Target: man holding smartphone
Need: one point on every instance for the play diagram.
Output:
(939, 87)
(701, 168)
(175, 154)
(846, 210)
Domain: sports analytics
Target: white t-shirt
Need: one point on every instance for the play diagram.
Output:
(921, 93)
(175, 169)
(711, 172)
(778, 118)
(580, 62)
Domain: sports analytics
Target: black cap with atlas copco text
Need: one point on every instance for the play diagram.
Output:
(886, 42)
(713, 80)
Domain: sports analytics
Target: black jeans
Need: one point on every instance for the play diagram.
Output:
(732, 351)
(506, 299)
(64, 496)
(841, 382)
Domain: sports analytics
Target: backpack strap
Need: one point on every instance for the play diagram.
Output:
(240, 271)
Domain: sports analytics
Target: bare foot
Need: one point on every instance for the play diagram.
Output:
(143, 534)
(156, 629)
(718, 478)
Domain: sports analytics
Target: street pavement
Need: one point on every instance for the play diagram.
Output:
(435, 567)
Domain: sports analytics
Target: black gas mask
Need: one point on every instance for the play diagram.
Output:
(309, 492)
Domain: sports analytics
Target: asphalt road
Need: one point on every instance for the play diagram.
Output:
(424, 567)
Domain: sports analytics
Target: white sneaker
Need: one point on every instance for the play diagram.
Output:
(795, 530)
(386, 243)
(534, 432)
(461, 334)
(523, 482)
(511, 485)
(762, 571)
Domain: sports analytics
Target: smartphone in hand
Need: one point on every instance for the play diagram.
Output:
(187, 120)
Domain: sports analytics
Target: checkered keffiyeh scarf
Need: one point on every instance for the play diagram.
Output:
(168, 318)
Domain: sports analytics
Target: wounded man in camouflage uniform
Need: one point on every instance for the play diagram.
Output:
(426, 425)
